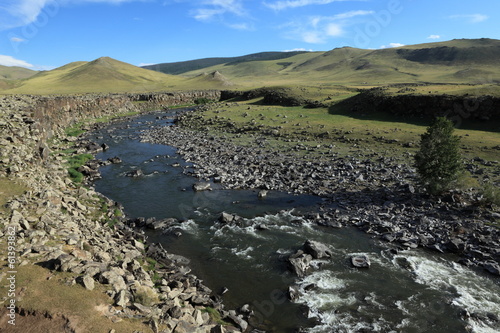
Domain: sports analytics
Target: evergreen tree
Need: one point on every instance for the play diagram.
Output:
(438, 161)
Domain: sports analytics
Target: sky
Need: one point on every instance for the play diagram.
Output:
(45, 34)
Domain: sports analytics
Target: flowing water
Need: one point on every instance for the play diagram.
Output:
(412, 291)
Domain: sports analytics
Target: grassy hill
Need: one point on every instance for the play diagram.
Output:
(98, 76)
(15, 73)
(181, 67)
(458, 62)
(461, 61)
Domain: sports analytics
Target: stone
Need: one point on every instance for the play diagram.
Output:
(121, 298)
(262, 194)
(238, 320)
(202, 186)
(492, 267)
(300, 263)
(87, 281)
(360, 261)
(317, 250)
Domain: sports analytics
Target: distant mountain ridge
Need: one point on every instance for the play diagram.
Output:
(462, 61)
(176, 68)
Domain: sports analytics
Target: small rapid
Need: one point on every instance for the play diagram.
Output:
(402, 291)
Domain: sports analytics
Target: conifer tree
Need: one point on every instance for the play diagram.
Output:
(438, 161)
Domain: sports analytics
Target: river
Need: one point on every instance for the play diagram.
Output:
(402, 291)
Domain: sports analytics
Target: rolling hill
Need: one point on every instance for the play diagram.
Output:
(98, 76)
(460, 61)
(15, 73)
(181, 67)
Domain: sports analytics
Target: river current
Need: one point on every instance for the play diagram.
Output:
(402, 291)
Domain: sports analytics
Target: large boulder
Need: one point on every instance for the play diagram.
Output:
(360, 261)
(300, 263)
(317, 250)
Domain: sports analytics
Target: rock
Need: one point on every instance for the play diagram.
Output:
(262, 194)
(86, 281)
(115, 160)
(202, 186)
(121, 298)
(115, 280)
(300, 263)
(317, 250)
(135, 173)
(360, 261)
(238, 320)
(492, 267)
(227, 218)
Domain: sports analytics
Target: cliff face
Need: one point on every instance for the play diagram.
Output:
(48, 116)
(460, 109)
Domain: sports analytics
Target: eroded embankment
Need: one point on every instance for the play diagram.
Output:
(75, 234)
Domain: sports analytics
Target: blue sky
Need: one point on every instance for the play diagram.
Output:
(44, 34)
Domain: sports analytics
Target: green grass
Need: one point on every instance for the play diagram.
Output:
(8, 190)
(377, 132)
(74, 162)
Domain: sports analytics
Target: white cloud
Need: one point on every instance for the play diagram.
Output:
(11, 61)
(391, 45)
(17, 40)
(281, 5)
(434, 37)
(241, 26)
(318, 29)
(298, 49)
(217, 8)
(17, 13)
(471, 18)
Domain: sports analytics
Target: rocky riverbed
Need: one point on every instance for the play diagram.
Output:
(378, 194)
(72, 229)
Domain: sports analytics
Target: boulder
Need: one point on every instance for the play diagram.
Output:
(317, 250)
(492, 267)
(360, 261)
(202, 186)
(86, 281)
(300, 263)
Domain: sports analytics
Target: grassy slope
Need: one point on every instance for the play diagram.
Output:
(101, 75)
(457, 61)
(15, 73)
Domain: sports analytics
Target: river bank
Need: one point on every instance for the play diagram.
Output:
(71, 257)
(378, 194)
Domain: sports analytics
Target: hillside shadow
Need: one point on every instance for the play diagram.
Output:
(362, 107)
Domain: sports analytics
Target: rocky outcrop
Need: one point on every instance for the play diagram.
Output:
(460, 109)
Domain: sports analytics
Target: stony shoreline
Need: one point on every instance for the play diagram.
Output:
(379, 195)
(66, 228)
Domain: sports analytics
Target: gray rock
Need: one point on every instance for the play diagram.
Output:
(87, 281)
(121, 298)
(317, 250)
(238, 320)
(202, 186)
(492, 267)
(300, 263)
(360, 261)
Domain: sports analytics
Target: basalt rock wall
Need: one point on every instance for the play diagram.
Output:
(460, 109)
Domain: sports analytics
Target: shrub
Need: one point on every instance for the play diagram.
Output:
(491, 194)
(202, 100)
(438, 161)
